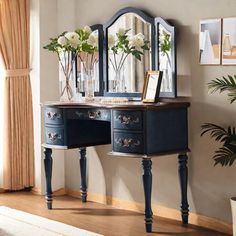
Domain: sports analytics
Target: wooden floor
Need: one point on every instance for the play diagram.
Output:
(97, 217)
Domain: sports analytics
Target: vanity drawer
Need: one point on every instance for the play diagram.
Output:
(127, 120)
(89, 114)
(54, 135)
(128, 142)
(53, 116)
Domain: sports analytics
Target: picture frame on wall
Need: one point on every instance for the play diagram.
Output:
(152, 86)
(210, 42)
(229, 41)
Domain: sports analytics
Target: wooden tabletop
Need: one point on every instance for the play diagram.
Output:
(106, 104)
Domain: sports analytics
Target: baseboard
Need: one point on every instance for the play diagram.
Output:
(161, 211)
(2, 190)
(170, 213)
(58, 192)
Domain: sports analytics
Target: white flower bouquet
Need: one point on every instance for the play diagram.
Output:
(125, 44)
(68, 46)
(121, 45)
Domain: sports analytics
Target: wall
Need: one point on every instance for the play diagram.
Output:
(210, 188)
(44, 80)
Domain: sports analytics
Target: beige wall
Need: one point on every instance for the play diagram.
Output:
(209, 187)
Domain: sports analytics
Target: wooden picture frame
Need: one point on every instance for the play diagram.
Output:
(152, 86)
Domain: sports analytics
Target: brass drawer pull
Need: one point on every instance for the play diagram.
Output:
(53, 115)
(128, 119)
(127, 142)
(94, 114)
(54, 136)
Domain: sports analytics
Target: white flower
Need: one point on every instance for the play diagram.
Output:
(137, 41)
(111, 41)
(140, 35)
(87, 29)
(121, 31)
(93, 39)
(73, 39)
(62, 40)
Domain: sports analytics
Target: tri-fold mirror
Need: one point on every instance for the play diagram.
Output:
(130, 44)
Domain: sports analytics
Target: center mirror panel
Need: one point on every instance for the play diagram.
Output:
(128, 53)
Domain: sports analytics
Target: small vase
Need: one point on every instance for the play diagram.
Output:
(89, 83)
(119, 82)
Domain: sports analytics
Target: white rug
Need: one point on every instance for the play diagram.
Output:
(19, 223)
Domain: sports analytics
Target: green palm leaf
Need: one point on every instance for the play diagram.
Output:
(224, 84)
(224, 156)
(216, 131)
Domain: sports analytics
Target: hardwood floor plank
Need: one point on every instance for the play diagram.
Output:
(99, 218)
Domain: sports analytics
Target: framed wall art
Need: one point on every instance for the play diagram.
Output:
(210, 42)
(229, 41)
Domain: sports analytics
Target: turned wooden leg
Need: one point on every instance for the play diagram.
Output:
(48, 173)
(183, 177)
(147, 184)
(83, 166)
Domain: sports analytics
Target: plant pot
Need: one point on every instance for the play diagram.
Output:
(233, 209)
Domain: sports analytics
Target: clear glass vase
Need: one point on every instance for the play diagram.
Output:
(67, 86)
(89, 83)
(67, 89)
(119, 82)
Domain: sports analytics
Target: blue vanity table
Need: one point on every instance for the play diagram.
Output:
(134, 129)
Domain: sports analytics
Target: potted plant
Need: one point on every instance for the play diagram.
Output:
(225, 155)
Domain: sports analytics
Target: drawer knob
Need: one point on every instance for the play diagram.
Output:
(53, 115)
(94, 114)
(127, 142)
(54, 136)
(128, 119)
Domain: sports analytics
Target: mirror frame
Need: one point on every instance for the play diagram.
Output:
(98, 27)
(146, 17)
(172, 30)
(103, 55)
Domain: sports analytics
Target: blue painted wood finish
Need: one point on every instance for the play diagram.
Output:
(48, 174)
(83, 167)
(134, 129)
(183, 176)
(147, 185)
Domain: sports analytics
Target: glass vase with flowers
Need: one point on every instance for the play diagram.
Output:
(68, 46)
(121, 45)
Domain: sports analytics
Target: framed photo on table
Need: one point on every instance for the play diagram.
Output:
(229, 41)
(152, 85)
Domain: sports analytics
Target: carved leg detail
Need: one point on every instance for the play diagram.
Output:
(147, 184)
(48, 173)
(183, 177)
(83, 166)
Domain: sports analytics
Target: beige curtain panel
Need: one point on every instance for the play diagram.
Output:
(18, 160)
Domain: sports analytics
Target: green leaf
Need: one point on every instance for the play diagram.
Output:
(217, 132)
(227, 84)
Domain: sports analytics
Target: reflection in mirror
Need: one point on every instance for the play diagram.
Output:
(88, 65)
(165, 59)
(129, 55)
